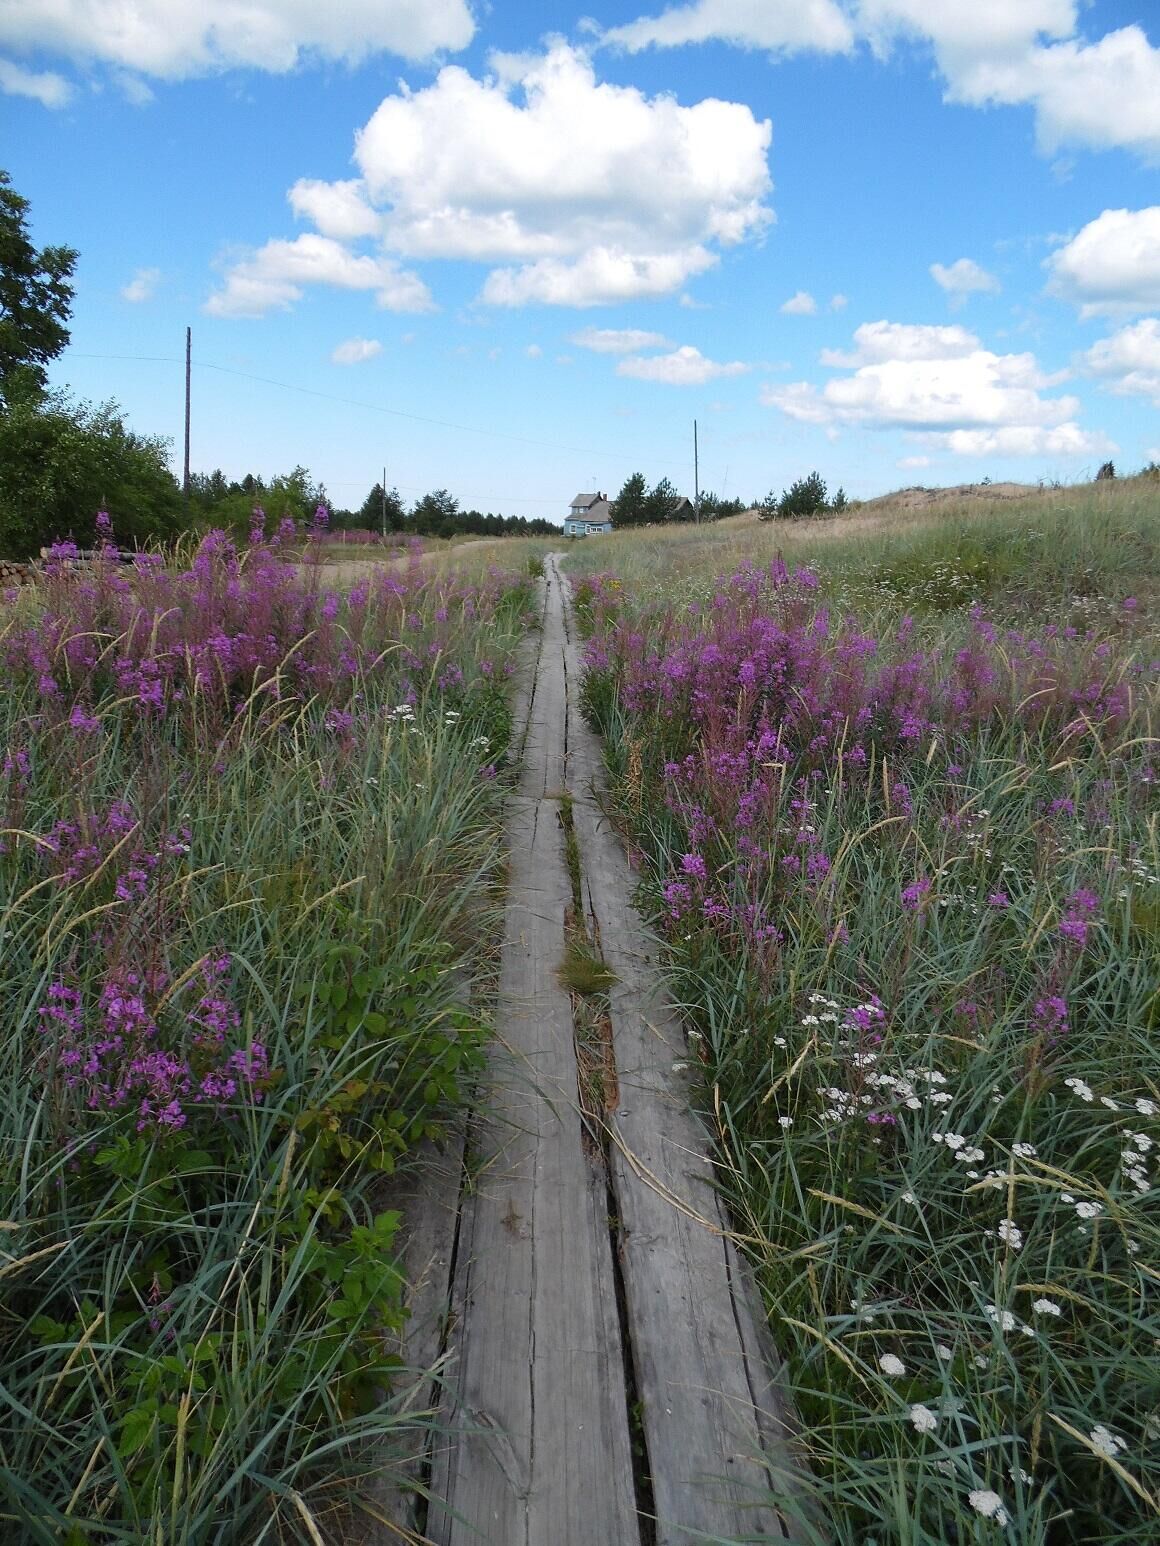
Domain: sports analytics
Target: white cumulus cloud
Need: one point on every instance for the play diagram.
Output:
(142, 286)
(1129, 361)
(805, 24)
(1097, 93)
(800, 304)
(877, 343)
(941, 385)
(353, 351)
(488, 170)
(685, 366)
(1112, 266)
(43, 86)
(1100, 95)
(495, 170)
(338, 209)
(169, 41)
(273, 277)
(619, 340)
(962, 278)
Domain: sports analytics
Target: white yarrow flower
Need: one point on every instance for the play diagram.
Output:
(1010, 1234)
(893, 1368)
(923, 1419)
(1046, 1307)
(989, 1504)
(1105, 1442)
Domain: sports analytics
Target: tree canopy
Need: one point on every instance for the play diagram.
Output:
(61, 462)
(35, 299)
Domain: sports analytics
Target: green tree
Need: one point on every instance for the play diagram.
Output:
(806, 496)
(61, 462)
(434, 515)
(370, 516)
(659, 501)
(35, 299)
(630, 507)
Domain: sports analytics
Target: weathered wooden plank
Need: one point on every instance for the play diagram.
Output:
(538, 1446)
(719, 1457)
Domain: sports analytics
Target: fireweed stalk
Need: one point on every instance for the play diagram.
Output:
(249, 859)
(910, 897)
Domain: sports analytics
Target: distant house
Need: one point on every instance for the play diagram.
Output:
(683, 510)
(589, 515)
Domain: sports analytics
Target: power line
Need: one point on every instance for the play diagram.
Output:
(352, 402)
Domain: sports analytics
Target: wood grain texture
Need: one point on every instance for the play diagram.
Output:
(538, 1445)
(719, 1449)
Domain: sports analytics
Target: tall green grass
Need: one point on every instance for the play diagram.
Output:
(197, 1323)
(936, 1094)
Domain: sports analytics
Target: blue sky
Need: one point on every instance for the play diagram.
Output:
(516, 251)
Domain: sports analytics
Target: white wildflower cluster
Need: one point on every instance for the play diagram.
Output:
(826, 1015)
(1078, 1087)
(1138, 873)
(989, 1505)
(904, 1087)
(1004, 1320)
(965, 1153)
(892, 1366)
(1134, 1159)
(403, 714)
(1105, 1442)
(922, 1418)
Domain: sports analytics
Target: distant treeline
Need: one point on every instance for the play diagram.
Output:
(438, 514)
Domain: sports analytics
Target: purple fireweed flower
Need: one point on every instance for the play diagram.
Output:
(694, 865)
(913, 896)
(998, 900)
(1073, 930)
(81, 722)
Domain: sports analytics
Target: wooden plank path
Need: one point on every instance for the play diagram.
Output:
(588, 1278)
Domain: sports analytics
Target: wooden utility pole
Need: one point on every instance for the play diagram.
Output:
(188, 348)
(696, 476)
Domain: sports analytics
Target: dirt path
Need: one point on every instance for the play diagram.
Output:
(608, 1382)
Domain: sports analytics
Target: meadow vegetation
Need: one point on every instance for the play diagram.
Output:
(251, 867)
(890, 782)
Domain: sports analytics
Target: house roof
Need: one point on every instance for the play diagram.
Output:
(582, 501)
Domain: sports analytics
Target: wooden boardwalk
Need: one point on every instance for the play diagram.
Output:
(607, 1376)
